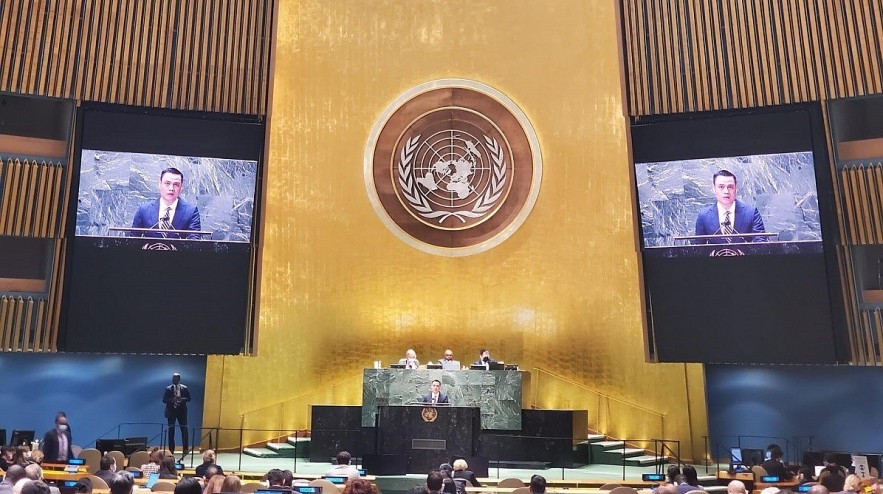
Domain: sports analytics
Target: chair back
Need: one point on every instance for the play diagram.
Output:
(92, 457)
(510, 482)
(609, 487)
(327, 487)
(251, 487)
(758, 472)
(163, 486)
(623, 490)
(97, 482)
(521, 490)
(137, 459)
(75, 449)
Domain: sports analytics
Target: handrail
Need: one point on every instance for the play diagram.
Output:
(603, 395)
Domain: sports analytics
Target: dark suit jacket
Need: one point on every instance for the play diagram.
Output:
(50, 445)
(186, 218)
(105, 475)
(442, 398)
(748, 220)
(467, 475)
(777, 468)
(168, 398)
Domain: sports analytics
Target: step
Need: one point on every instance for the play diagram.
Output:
(644, 461)
(595, 438)
(285, 450)
(260, 453)
(524, 465)
(616, 456)
(627, 452)
(608, 444)
(301, 446)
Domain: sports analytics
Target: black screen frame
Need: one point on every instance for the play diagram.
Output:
(774, 333)
(229, 268)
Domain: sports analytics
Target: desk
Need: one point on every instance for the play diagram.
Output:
(549, 490)
(496, 393)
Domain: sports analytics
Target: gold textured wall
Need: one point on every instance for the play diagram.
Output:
(561, 297)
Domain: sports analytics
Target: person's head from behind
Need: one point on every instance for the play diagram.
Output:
(818, 489)
(214, 485)
(231, 483)
(806, 473)
(15, 473)
(852, 483)
(724, 187)
(34, 472)
(287, 478)
(667, 489)
(84, 486)
(877, 486)
(359, 486)
(434, 481)
(211, 471)
(35, 487)
(171, 181)
(208, 456)
(168, 466)
(833, 481)
(775, 452)
(446, 470)
(275, 478)
(187, 485)
(344, 458)
(460, 464)
(690, 475)
(156, 456)
(736, 487)
(672, 472)
(121, 483)
(537, 484)
(22, 455)
(108, 463)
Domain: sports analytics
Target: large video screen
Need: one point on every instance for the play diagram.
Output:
(738, 237)
(162, 252)
(730, 201)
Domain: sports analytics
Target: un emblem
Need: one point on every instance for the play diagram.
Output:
(429, 414)
(453, 167)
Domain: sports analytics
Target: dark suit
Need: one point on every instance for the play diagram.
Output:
(442, 398)
(105, 475)
(177, 411)
(748, 220)
(186, 218)
(50, 445)
(468, 476)
(777, 468)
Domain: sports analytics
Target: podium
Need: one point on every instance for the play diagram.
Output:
(429, 435)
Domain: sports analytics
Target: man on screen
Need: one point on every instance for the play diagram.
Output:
(728, 216)
(169, 211)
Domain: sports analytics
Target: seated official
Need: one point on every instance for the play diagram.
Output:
(484, 358)
(435, 396)
(343, 467)
(410, 361)
(447, 362)
(208, 459)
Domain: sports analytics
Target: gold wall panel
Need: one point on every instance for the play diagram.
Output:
(339, 291)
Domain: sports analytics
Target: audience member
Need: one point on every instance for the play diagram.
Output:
(121, 483)
(877, 486)
(154, 460)
(213, 486)
(6, 454)
(806, 474)
(667, 489)
(691, 481)
(210, 472)
(832, 477)
(13, 475)
(818, 489)
(360, 486)
(736, 487)
(188, 486)
(167, 469)
(852, 484)
(774, 465)
(672, 472)
(275, 479)
(208, 459)
(22, 456)
(449, 485)
(37, 457)
(537, 484)
(461, 472)
(107, 467)
(35, 487)
(343, 467)
(231, 484)
(287, 478)
(434, 484)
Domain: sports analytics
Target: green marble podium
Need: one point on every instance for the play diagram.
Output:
(496, 393)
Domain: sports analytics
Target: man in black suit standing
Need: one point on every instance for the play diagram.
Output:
(435, 396)
(56, 445)
(176, 397)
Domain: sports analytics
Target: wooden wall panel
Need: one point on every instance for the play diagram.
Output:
(206, 55)
(698, 55)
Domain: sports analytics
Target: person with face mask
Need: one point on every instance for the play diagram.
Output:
(108, 467)
(56, 444)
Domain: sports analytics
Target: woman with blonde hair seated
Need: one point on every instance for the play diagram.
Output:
(232, 484)
(853, 483)
(214, 485)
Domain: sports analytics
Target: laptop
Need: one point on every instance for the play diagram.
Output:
(396, 366)
(433, 366)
